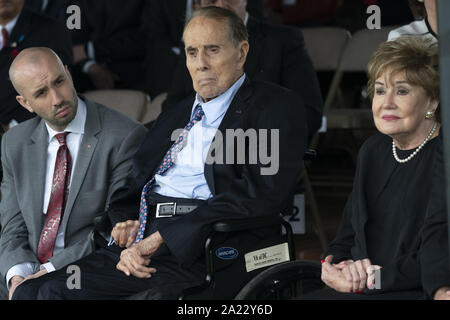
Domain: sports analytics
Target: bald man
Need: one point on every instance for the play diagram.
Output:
(59, 168)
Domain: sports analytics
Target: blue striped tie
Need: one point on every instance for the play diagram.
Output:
(165, 165)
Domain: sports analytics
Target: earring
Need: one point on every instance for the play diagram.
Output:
(429, 115)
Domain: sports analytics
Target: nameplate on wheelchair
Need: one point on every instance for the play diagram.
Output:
(267, 257)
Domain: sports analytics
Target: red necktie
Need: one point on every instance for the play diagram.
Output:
(58, 197)
(4, 37)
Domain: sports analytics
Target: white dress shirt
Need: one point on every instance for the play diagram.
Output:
(186, 178)
(73, 141)
(9, 27)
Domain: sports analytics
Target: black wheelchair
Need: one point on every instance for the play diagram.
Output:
(276, 277)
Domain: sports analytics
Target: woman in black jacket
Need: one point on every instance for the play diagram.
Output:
(376, 252)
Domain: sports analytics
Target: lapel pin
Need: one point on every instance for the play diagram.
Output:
(89, 146)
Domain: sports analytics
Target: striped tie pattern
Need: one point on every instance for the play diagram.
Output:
(166, 164)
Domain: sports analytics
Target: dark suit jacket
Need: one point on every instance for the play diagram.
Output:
(434, 254)
(31, 30)
(277, 54)
(116, 29)
(55, 9)
(164, 30)
(238, 190)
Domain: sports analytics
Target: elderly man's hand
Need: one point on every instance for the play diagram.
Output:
(135, 260)
(124, 233)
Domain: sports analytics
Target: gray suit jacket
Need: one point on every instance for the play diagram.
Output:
(104, 161)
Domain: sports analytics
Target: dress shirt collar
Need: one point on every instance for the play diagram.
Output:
(215, 108)
(77, 124)
(246, 18)
(10, 25)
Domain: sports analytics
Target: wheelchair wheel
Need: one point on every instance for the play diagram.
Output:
(283, 281)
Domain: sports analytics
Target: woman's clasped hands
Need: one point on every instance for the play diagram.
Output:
(348, 275)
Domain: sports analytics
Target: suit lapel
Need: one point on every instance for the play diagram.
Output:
(230, 121)
(38, 148)
(85, 153)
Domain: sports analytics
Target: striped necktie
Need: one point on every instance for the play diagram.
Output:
(166, 164)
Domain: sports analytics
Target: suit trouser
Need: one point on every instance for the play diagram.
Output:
(4, 293)
(101, 280)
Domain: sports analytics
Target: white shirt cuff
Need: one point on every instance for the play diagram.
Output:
(90, 50)
(176, 50)
(12, 123)
(111, 241)
(87, 65)
(47, 266)
(23, 270)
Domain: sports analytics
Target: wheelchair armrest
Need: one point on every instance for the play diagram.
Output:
(247, 223)
(300, 276)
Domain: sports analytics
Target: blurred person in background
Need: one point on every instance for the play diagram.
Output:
(22, 28)
(426, 25)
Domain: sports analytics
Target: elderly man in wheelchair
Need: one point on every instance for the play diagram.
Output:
(224, 180)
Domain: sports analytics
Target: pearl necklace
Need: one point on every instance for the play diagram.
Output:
(394, 151)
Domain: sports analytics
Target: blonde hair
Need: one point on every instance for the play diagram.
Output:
(417, 57)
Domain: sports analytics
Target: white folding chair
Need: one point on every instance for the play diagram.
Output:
(132, 103)
(154, 108)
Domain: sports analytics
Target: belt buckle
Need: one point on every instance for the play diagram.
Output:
(159, 214)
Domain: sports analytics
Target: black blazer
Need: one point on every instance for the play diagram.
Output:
(164, 30)
(55, 9)
(238, 190)
(278, 55)
(434, 254)
(31, 30)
